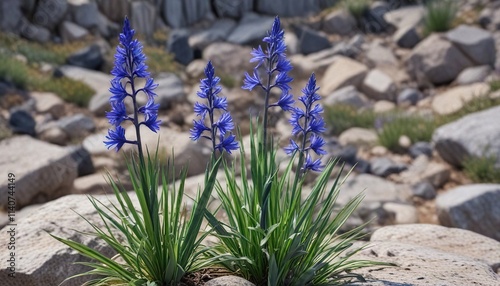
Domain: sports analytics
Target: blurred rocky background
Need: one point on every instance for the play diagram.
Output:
(411, 91)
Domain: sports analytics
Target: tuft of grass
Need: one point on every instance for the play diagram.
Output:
(482, 169)
(13, 71)
(341, 117)
(440, 15)
(159, 60)
(494, 85)
(228, 80)
(357, 7)
(475, 105)
(417, 128)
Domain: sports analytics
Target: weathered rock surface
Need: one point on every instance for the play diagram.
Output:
(47, 102)
(229, 281)
(348, 95)
(377, 85)
(229, 58)
(339, 22)
(311, 41)
(476, 134)
(472, 207)
(477, 44)
(170, 90)
(473, 75)
(178, 45)
(456, 98)
(43, 171)
(342, 72)
(375, 189)
(251, 29)
(219, 31)
(358, 137)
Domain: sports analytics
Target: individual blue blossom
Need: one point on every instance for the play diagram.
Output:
(308, 124)
(217, 131)
(129, 65)
(276, 66)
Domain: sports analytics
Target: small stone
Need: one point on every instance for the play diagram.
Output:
(70, 32)
(342, 72)
(424, 190)
(403, 213)
(22, 122)
(383, 106)
(420, 148)
(359, 137)
(178, 45)
(311, 41)
(404, 142)
(348, 95)
(54, 135)
(47, 102)
(229, 281)
(94, 144)
(339, 22)
(473, 74)
(384, 167)
(77, 125)
(89, 57)
(83, 160)
(476, 43)
(91, 184)
(379, 86)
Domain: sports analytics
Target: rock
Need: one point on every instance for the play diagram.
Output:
(406, 16)
(48, 102)
(472, 207)
(178, 45)
(436, 60)
(348, 95)
(402, 213)
(114, 10)
(219, 31)
(339, 22)
(83, 160)
(107, 28)
(452, 240)
(34, 32)
(252, 28)
(379, 86)
(196, 69)
(72, 32)
(358, 137)
(383, 106)
(229, 281)
(77, 125)
(229, 58)
(477, 44)
(292, 44)
(311, 41)
(342, 72)
(421, 169)
(456, 98)
(43, 171)
(54, 135)
(424, 190)
(346, 154)
(473, 75)
(94, 144)
(476, 134)
(91, 184)
(85, 13)
(21, 122)
(170, 90)
(384, 167)
(420, 148)
(409, 96)
(284, 9)
(484, 18)
(407, 37)
(48, 261)
(404, 142)
(89, 57)
(10, 16)
(231, 8)
(143, 18)
(375, 189)
(422, 265)
(378, 55)
(49, 13)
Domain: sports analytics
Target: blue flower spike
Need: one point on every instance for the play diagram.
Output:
(129, 65)
(308, 124)
(218, 132)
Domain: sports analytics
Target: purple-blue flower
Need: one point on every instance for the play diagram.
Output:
(308, 124)
(130, 64)
(217, 131)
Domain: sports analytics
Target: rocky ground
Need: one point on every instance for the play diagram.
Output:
(431, 219)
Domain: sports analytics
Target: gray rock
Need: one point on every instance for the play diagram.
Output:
(76, 125)
(342, 72)
(348, 95)
(284, 9)
(229, 281)
(484, 18)
(71, 32)
(424, 190)
(384, 167)
(422, 169)
(375, 189)
(195, 10)
(143, 18)
(476, 134)
(407, 37)
(232, 8)
(420, 148)
(360, 137)
(94, 144)
(178, 45)
(379, 55)
(47, 102)
(422, 265)
(401, 213)
(219, 31)
(34, 32)
(379, 86)
(54, 135)
(49, 13)
(454, 99)
(172, 13)
(85, 14)
(46, 260)
(311, 41)
(170, 89)
(473, 74)
(21, 122)
(339, 22)
(452, 240)
(83, 160)
(89, 57)
(252, 28)
(10, 16)
(229, 58)
(409, 96)
(43, 171)
(99, 104)
(106, 27)
(115, 10)
(406, 16)
(91, 184)
(436, 60)
(475, 43)
(472, 207)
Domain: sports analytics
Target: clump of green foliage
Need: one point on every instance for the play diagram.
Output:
(13, 71)
(440, 15)
(159, 60)
(494, 85)
(417, 128)
(341, 117)
(357, 7)
(482, 169)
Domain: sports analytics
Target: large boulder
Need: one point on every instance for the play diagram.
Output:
(435, 60)
(84, 13)
(219, 31)
(284, 9)
(343, 71)
(114, 10)
(10, 16)
(178, 45)
(143, 18)
(476, 43)
(49, 13)
(251, 29)
(232, 8)
(472, 207)
(180, 13)
(477, 135)
(42, 171)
